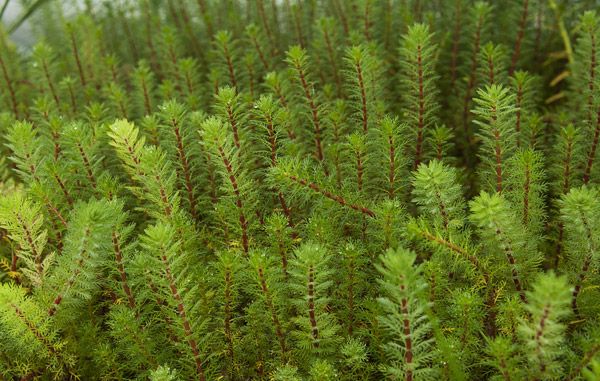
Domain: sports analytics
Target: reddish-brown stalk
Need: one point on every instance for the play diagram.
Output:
(63, 188)
(282, 254)
(540, 331)
(72, 98)
(86, 164)
(11, 90)
(261, 11)
(130, 39)
(275, 13)
(508, 251)
(150, 30)
(187, 328)
(311, 306)
(504, 369)
(308, 90)
(259, 51)
(490, 318)
(340, 200)
(121, 269)
(472, 76)
(82, 257)
(359, 170)
(443, 211)
(320, 71)
(336, 127)
(577, 289)
(298, 27)
(206, 17)
(174, 15)
(418, 10)
(491, 73)
(456, 249)
(146, 93)
(332, 61)
(58, 236)
(251, 79)
(234, 126)
(592, 154)
(408, 354)
(113, 71)
(367, 21)
(54, 209)
(77, 59)
(455, 45)
(30, 241)
(592, 79)
(187, 175)
(273, 148)
(587, 358)
(56, 140)
(387, 25)
(392, 166)
(269, 304)
(189, 83)
(538, 32)
(526, 191)
(559, 244)
(189, 30)
(497, 151)
(567, 162)
(163, 197)
(51, 348)
(584, 269)
(519, 39)
(342, 15)
(284, 103)
(363, 96)
(50, 83)
(238, 202)
(518, 102)
(14, 258)
(230, 69)
(421, 110)
(359, 185)
(212, 178)
(175, 64)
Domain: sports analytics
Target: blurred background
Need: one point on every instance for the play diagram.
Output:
(18, 16)
(14, 9)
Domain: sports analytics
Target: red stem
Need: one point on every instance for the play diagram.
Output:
(340, 200)
(311, 307)
(314, 111)
(363, 97)
(77, 59)
(269, 303)
(119, 259)
(421, 111)
(187, 328)
(238, 202)
(11, 90)
(592, 153)
(408, 355)
(519, 40)
(186, 169)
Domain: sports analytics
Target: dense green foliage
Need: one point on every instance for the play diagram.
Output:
(301, 190)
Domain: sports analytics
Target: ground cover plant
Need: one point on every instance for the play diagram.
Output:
(301, 190)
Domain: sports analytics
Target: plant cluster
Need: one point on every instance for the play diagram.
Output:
(301, 190)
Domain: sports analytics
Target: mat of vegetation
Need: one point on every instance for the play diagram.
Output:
(301, 190)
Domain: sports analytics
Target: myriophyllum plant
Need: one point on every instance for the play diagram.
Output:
(301, 190)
